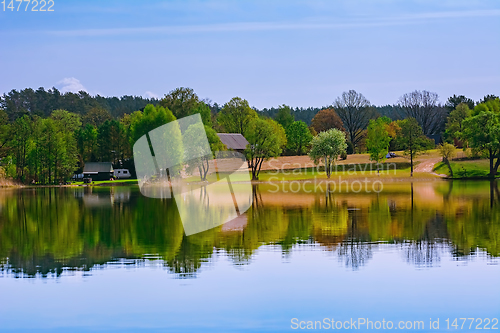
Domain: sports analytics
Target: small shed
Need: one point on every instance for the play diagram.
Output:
(98, 170)
(233, 141)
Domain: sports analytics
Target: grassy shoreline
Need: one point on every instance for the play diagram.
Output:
(356, 168)
(477, 169)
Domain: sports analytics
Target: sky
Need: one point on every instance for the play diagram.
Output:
(299, 53)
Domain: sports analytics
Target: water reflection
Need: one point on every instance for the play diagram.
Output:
(47, 231)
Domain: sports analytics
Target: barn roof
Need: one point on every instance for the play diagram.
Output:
(96, 167)
(234, 141)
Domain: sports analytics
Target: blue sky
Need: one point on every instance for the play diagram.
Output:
(300, 53)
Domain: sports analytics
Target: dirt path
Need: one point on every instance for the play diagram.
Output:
(427, 165)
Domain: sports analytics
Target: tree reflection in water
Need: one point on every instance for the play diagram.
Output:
(48, 231)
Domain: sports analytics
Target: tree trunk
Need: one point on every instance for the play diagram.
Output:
(449, 166)
(492, 169)
(411, 163)
(497, 164)
(327, 167)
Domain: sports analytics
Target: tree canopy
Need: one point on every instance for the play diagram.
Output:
(482, 132)
(411, 138)
(425, 108)
(455, 119)
(454, 101)
(266, 138)
(184, 102)
(326, 119)
(355, 112)
(284, 117)
(236, 115)
(378, 140)
(327, 146)
(298, 137)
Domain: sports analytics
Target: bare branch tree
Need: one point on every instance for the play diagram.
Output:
(355, 112)
(425, 108)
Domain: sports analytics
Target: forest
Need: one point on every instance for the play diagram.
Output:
(46, 136)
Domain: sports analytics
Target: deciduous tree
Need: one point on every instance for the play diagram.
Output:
(236, 115)
(5, 134)
(298, 137)
(195, 136)
(96, 117)
(355, 112)
(482, 132)
(447, 151)
(326, 119)
(184, 102)
(284, 117)
(412, 139)
(327, 146)
(378, 140)
(266, 139)
(455, 120)
(424, 107)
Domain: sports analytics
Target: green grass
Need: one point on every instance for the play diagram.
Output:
(120, 181)
(465, 169)
(305, 174)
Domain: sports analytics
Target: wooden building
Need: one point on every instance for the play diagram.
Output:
(98, 170)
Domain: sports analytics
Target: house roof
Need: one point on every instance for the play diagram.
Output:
(96, 167)
(234, 141)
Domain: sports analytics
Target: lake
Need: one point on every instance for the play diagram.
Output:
(418, 255)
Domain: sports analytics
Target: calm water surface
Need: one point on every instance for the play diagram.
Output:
(81, 259)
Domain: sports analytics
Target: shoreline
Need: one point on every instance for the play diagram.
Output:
(334, 179)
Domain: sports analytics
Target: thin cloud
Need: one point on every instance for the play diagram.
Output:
(70, 84)
(149, 94)
(273, 26)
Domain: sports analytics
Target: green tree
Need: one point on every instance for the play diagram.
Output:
(96, 117)
(455, 120)
(327, 146)
(454, 101)
(22, 129)
(5, 134)
(284, 117)
(266, 139)
(87, 143)
(236, 115)
(66, 124)
(184, 102)
(142, 123)
(110, 141)
(197, 141)
(411, 138)
(482, 132)
(147, 120)
(447, 151)
(298, 137)
(181, 101)
(378, 140)
(488, 98)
